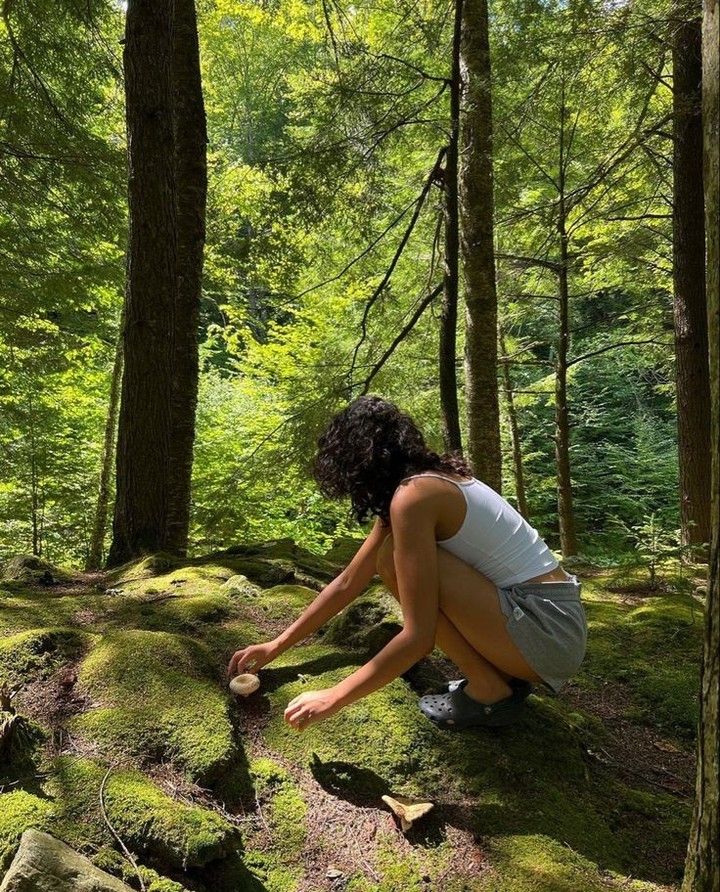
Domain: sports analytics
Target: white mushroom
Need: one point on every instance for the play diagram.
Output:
(244, 684)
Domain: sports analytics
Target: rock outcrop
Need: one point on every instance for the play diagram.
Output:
(44, 864)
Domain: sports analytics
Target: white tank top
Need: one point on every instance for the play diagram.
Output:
(494, 538)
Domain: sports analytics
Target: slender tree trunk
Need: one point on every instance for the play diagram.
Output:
(691, 338)
(566, 508)
(191, 182)
(34, 499)
(702, 868)
(518, 472)
(476, 247)
(448, 315)
(97, 540)
(143, 450)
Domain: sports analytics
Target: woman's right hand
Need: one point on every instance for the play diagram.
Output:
(252, 657)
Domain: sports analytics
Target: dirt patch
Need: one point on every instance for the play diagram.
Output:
(52, 701)
(638, 754)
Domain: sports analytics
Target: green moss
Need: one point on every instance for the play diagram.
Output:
(19, 811)
(159, 700)
(36, 652)
(267, 775)
(383, 734)
(149, 821)
(270, 871)
(286, 809)
(535, 863)
(113, 862)
(654, 651)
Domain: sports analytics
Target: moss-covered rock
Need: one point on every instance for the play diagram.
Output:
(239, 586)
(36, 652)
(149, 821)
(115, 863)
(31, 569)
(367, 624)
(343, 550)
(158, 699)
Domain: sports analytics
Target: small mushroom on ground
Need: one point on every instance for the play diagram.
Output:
(408, 810)
(244, 684)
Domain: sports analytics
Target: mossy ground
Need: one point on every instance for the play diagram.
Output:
(126, 673)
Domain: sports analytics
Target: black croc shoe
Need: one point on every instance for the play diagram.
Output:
(519, 685)
(455, 709)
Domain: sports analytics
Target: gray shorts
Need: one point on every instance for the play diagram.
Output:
(547, 622)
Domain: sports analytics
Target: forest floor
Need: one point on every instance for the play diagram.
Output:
(121, 730)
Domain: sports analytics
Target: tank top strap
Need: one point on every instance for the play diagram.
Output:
(440, 477)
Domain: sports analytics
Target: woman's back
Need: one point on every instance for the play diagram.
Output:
(494, 538)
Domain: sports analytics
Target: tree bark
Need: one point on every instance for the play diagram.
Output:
(702, 867)
(476, 246)
(566, 508)
(190, 133)
(448, 315)
(143, 450)
(520, 493)
(691, 337)
(97, 540)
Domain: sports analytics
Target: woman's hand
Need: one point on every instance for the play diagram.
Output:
(253, 657)
(310, 707)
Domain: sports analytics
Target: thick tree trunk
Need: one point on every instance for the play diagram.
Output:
(97, 540)
(520, 494)
(191, 184)
(691, 338)
(702, 868)
(448, 315)
(143, 452)
(476, 247)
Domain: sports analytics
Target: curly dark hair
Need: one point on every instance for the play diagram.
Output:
(367, 449)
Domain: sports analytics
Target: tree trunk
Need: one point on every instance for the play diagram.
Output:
(518, 472)
(191, 184)
(448, 315)
(702, 868)
(143, 450)
(691, 338)
(97, 540)
(34, 495)
(566, 509)
(476, 247)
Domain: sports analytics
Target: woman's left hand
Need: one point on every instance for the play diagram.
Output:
(310, 707)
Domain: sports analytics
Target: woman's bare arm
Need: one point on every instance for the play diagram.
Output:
(353, 580)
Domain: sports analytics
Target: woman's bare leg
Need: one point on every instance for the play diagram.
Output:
(471, 627)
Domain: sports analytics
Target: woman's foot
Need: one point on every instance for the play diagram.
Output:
(519, 685)
(455, 709)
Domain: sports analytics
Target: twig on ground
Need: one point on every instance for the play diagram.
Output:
(114, 832)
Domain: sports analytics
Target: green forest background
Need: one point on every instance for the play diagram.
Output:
(324, 120)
